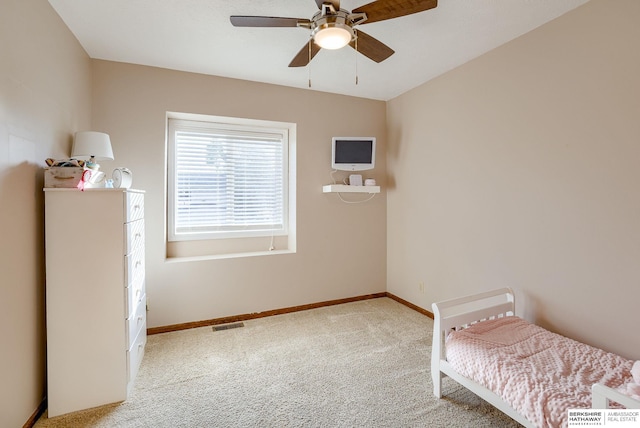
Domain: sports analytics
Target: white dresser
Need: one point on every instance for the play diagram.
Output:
(95, 295)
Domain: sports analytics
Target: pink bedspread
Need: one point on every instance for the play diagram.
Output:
(538, 373)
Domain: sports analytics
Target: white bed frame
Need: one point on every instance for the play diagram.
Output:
(465, 311)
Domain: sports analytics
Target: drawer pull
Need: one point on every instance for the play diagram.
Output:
(138, 263)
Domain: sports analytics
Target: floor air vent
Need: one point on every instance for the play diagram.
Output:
(228, 326)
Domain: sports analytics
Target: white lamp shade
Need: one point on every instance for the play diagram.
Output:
(88, 144)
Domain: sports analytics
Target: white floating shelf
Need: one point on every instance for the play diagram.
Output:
(343, 188)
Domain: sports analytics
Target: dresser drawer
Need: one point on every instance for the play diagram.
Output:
(134, 266)
(135, 294)
(134, 235)
(135, 354)
(136, 322)
(134, 206)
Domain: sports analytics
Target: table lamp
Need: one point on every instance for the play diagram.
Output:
(91, 146)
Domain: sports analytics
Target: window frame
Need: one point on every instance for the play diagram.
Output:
(186, 121)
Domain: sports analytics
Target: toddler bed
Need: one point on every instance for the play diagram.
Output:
(527, 372)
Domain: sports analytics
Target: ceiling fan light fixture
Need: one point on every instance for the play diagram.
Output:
(333, 36)
(331, 31)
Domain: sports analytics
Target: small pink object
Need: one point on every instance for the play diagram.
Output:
(86, 175)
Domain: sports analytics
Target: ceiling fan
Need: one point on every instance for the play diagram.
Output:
(334, 28)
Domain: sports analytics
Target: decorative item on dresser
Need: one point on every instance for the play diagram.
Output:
(91, 147)
(95, 295)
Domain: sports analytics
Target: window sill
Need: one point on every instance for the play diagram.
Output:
(227, 256)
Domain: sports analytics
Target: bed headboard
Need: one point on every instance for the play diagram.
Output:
(467, 310)
(464, 311)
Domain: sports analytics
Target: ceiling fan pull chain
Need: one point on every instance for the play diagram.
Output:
(309, 63)
(356, 45)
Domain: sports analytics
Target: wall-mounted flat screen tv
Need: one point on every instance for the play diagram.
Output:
(353, 153)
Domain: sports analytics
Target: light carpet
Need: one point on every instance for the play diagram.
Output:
(360, 364)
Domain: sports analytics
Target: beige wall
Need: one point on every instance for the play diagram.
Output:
(341, 248)
(521, 169)
(44, 97)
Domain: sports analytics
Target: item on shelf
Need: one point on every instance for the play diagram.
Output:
(64, 162)
(63, 173)
(122, 178)
(355, 180)
(62, 177)
(85, 177)
(92, 179)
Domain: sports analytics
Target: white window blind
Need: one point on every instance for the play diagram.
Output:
(227, 180)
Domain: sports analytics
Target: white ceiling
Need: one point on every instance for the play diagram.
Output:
(196, 36)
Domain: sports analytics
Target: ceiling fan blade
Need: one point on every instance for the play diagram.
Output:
(371, 47)
(268, 21)
(302, 58)
(335, 3)
(381, 10)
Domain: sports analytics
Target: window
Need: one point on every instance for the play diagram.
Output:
(228, 178)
